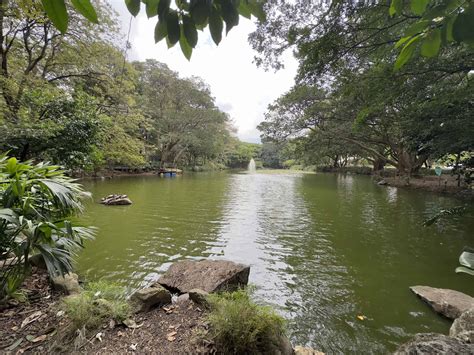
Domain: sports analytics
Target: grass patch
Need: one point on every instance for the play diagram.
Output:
(99, 302)
(239, 326)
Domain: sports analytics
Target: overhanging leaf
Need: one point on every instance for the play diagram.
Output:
(161, 30)
(185, 47)
(85, 8)
(173, 28)
(395, 7)
(431, 43)
(463, 26)
(406, 53)
(133, 6)
(151, 8)
(200, 11)
(57, 13)
(190, 31)
(216, 26)
(418, 6)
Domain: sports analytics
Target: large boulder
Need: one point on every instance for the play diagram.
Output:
(69, 283)
(207, 275)
(145, 299)
(431, 343)
(199, 297)
(116, 200)
(463, 327)
(449, 303)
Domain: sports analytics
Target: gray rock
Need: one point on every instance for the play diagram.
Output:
(198, 296)
(382, 183)
(463, 327)
(68, 283)
(207, 275)
(449, 303)
(116, 200)
(432, 343)
(182, 298)
(145, 299)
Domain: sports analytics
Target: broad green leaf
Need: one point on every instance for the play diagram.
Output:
(151, 8)
(431, 44)
(396, 7)
(244, 10)
(417, 27)
(216, 26)
(12, 165)
(467, 259)
(463, 27)
(133, 6)
(448, 26)
(406, 53)
(401, 41)
(200, 11)
(173, 28)
(465, 270)
(256, 8)
(163, 8)
(57, 13)
(161, 30)
(190, 32)
(85, 8)
(418, 6)
(229, 14)
(434, 12)
(185, 47)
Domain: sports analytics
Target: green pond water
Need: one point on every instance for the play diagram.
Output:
(322, 248)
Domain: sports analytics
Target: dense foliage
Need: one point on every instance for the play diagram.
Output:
(350, 104)
(36, 206)
(73, 99)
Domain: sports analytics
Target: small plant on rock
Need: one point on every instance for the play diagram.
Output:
(239, 326)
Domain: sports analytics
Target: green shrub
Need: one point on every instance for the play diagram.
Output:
(99, 302)
(239, 326)
(37, 202)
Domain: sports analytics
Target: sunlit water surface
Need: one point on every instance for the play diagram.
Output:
(323, 249)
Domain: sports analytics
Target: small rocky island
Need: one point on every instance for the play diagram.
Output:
(116, 200)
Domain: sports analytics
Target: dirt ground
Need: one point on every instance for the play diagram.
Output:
(167, 330)
(29, 326)
(38, 326)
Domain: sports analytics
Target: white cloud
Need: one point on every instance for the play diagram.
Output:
(240, 88)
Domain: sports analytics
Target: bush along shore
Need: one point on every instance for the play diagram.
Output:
(195, 307)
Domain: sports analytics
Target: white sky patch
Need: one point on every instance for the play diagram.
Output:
(240, 88)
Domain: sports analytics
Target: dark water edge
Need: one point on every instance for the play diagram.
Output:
(323, 248)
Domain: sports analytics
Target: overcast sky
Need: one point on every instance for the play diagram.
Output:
(240, 88)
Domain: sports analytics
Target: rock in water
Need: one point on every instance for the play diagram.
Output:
(449, 303)
(116, 200)
(431, 343)
(463, 327)
(145, 299)
(207, 275)
(68, 283)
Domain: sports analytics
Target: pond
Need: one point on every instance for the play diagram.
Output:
(323, 248)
